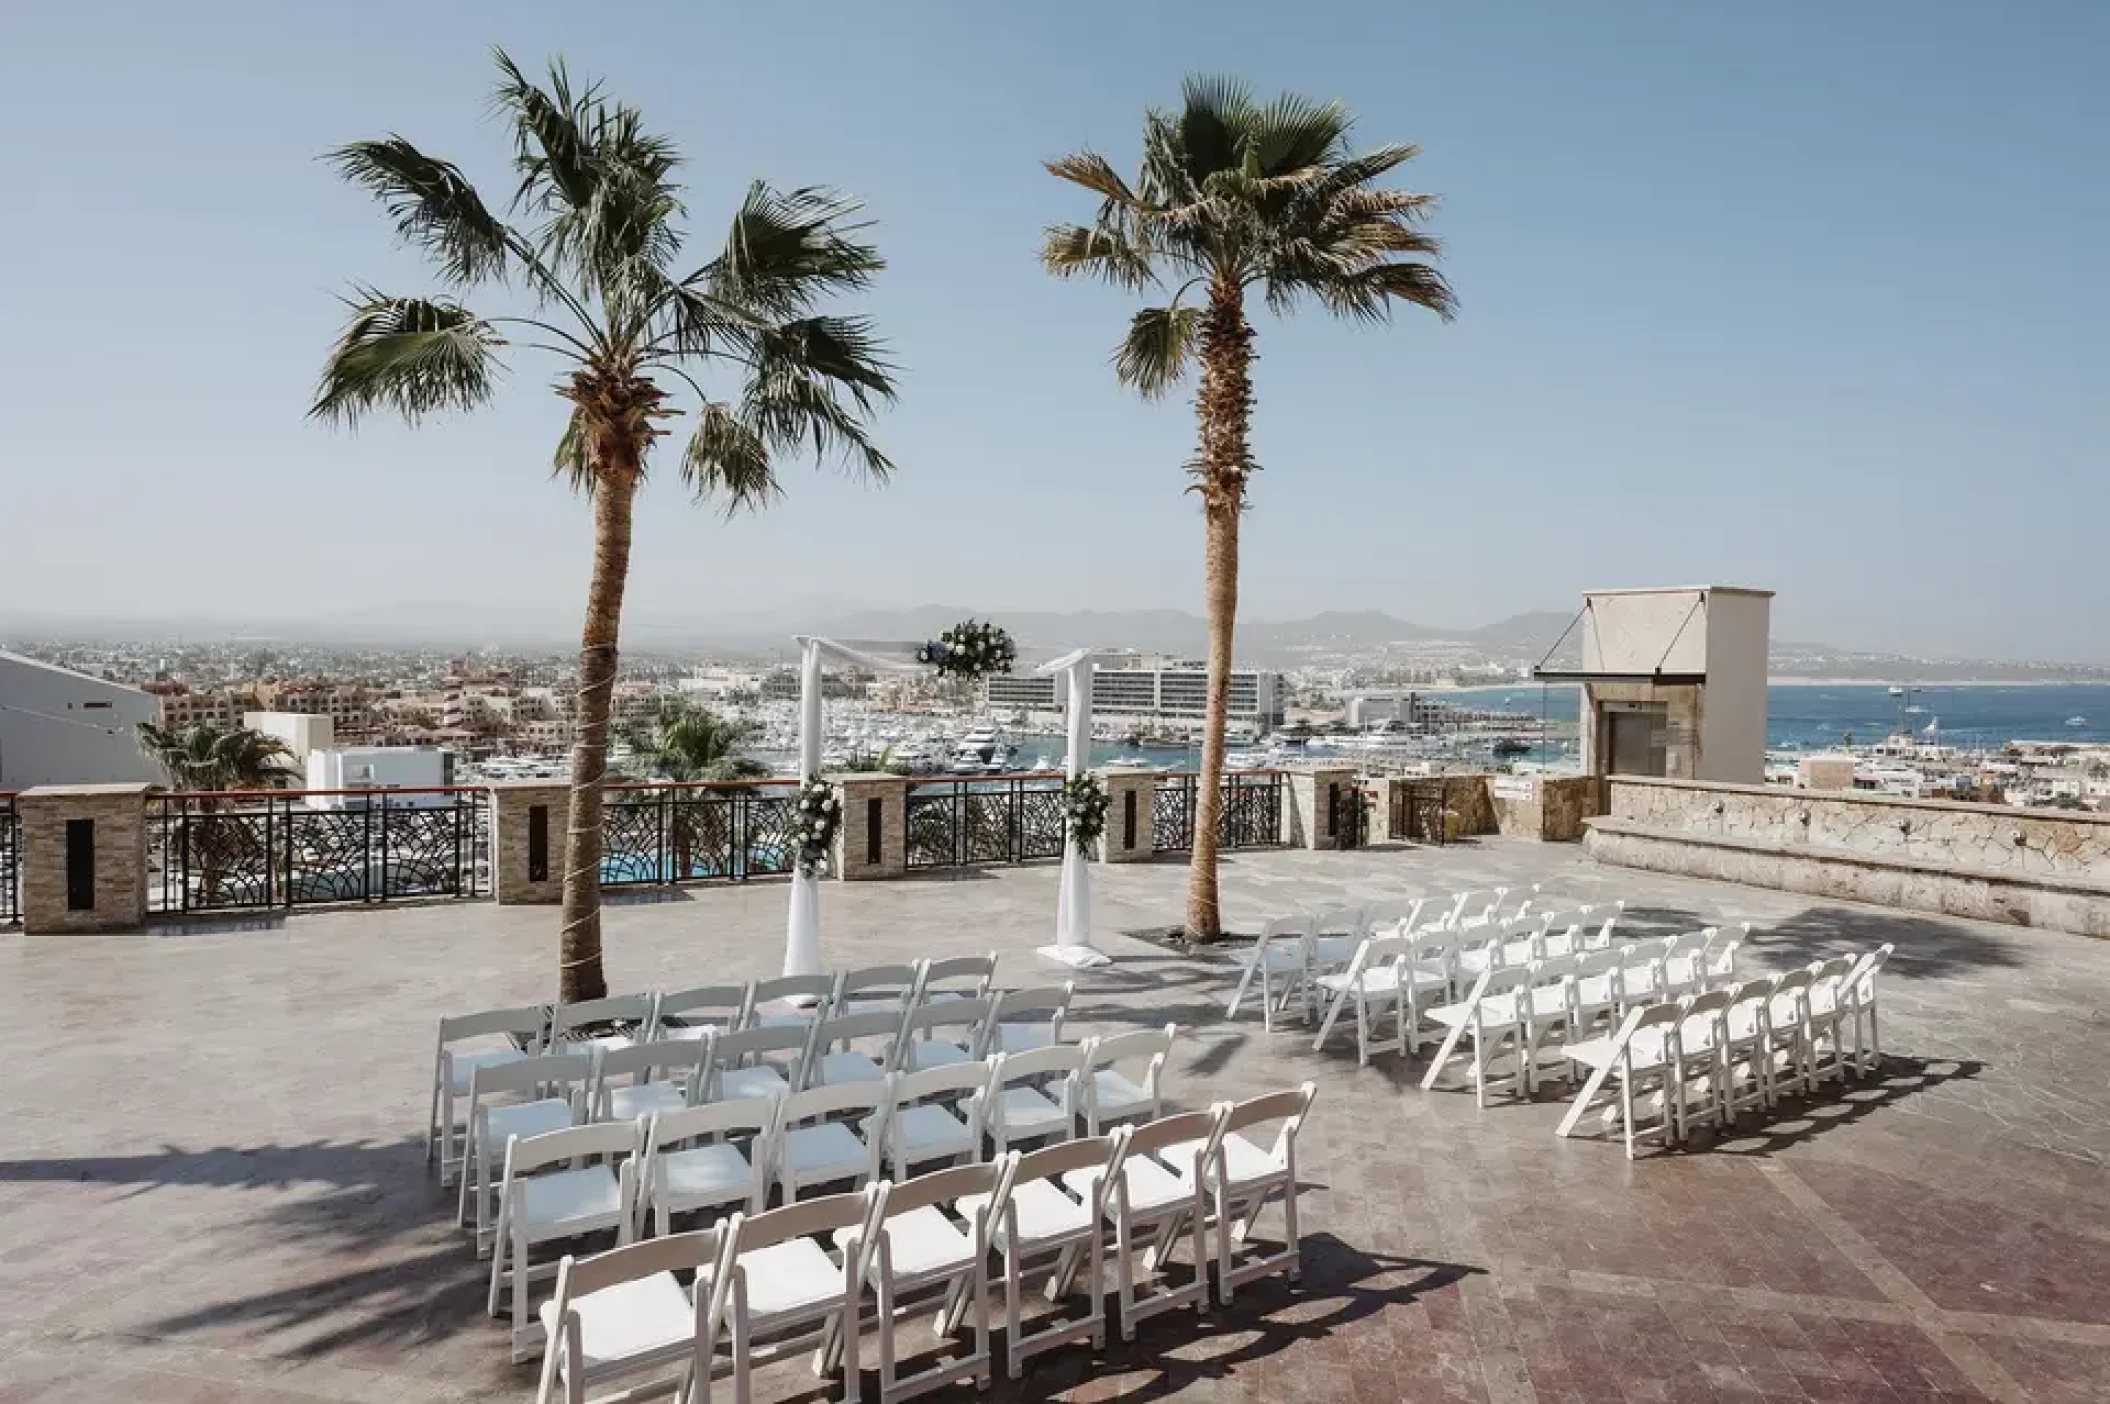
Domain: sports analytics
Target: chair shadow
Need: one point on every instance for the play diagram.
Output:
(1804, 1118)
(1927, 948)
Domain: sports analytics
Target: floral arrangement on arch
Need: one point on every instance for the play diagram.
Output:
(1084, 809)
(970, 649)
(815, 815)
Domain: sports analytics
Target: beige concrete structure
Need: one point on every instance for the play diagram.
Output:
(1827, 772)
(84, 858)
(527, 841)
(1987, 862)
(1129, 797)
(872, 840)
(1315, 802)
(1548, 808)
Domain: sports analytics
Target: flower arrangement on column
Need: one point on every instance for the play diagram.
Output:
(1084, 810)
(970, 649)
(815, 816)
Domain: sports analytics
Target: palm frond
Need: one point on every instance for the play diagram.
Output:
(1071, 249)
(434, 206)
(549, 136)
(571, 461)
(842, 351)
(727, 461)
(1153, 356)
(411, 355)
(1092, 171)
(788, 249)
(793, 406)
(1369, 295)
(1215, 119)
(1292, 134)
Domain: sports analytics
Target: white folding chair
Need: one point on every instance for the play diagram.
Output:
(694, 1161)
(527, 1098)
(1490, 1016)
(626, 1017)
(958, 977)
(1697, 1069)
(741, 1067)
(1405, 913)
(1382, 976)
(1641, 976)
(624, 1313)
(1110, 1094)
(1718, 961)
(525, 1028)
(1747, 1062)
(1637, 1056)
(550, 1191)
(872, 988)
(794, 1000)
(834, 1057)
(1034, 1094)
(1685, 963)
(1036, 1218)
(1860, 993)
(1545, 1007)
(786, 1293)
(813, 1150)
(1030, 1018)
(1277, 960)
(1329, 946)
(1788, 1035)
(966, 1023)
(1159, 1190)
(663, 1076)
(931, 1115)
(917, 1250)
(702, 1009)
(1479, 909)
(1829, 1018)
(1594, 992)
(1242, 1178)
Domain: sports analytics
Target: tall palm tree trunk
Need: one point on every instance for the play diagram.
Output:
(1224, 408)
(579, 955)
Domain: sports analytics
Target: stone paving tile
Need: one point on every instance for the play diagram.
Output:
(211, 1184)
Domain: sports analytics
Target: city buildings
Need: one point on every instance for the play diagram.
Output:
(1147, 690)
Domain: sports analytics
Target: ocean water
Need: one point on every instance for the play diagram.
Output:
(1970, 715)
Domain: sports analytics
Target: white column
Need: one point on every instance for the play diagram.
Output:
(1073, 901)
(802, 941)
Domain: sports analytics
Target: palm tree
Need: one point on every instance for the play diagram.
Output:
(595, 247)
(690, 744)
(210, 761)
(1233, 196)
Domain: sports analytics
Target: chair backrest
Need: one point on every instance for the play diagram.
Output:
(1758, 994)
(1065, 1058)
(1553, 969)
(548, 1074)
(714, 1120)
(845, 1029)
(1452, 910)
(640, 1060)
(1661, 1019)
(1830, 975)
(1087, 1153)
(677, 1252)
(635, 1009)
(947, 1079)
(945, 1186)
(898, 982)
(723, 1005)
(1018, 1006)
(529, 1023)
(1401, 912)
(819, 988)
(1337, 921)
(970, 1014)
(1488, 912)
(1289, 1107)
(743, 1046)
(857, 1209)
(1151, 1044)
(573, 1143)
(815, 1103)
(1862, 983)
(1596, 962)
(1204, 1127)
(1790, 994)
(977, 970)
(1294, 928)
(1701, 1025)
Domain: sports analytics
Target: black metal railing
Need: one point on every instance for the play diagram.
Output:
(672, 833)
(10, 860)
(956, 823)
(1251, 816)
(235, 850)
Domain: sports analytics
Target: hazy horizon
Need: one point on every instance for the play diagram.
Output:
(1805, 297)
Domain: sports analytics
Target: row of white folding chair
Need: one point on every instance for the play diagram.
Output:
(1523, 1009)
(1704, 1058)
(768, 1283)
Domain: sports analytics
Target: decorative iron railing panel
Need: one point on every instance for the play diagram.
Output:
(957, 823)
(1251, 815)
(696, 833)
(10, 861)
(228, 852)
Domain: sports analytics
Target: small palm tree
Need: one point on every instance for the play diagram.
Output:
(595, 252)
(1237, 196)
(691, 744)
(211, 761)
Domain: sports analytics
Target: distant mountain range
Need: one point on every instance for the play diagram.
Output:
(1519, 640)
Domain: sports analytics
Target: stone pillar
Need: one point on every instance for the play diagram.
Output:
(84, 858)
(529, 820)
(1311, 796)
(1129, 796)
(872, 839)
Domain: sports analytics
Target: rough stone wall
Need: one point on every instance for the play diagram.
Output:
(119, 816)
(853, 835)
(1988, 838)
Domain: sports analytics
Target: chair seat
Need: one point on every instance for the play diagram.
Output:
(921, 1241)
(920, 1053)
(1115, 1095)
(630, 1321)
(1022, 1038)
(464, 1065)
(758, 1082)
(690, 1033)
(587, 1196)
(526, 1119)
(1150, 1185)
(791, 1276)
(1276, 956)
(849, 1065)
(638, 1102)
(1384, 980)
(1244, 1162)
(926, 1131)
(829, 1151)
(1646, 1049)
(1027, 1113)
(707, 1175)
(1045, 1213)
(1333, 950)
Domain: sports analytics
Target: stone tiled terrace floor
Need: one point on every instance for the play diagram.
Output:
(212, 1186)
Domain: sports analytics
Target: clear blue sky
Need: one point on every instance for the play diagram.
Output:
(1810, 296)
